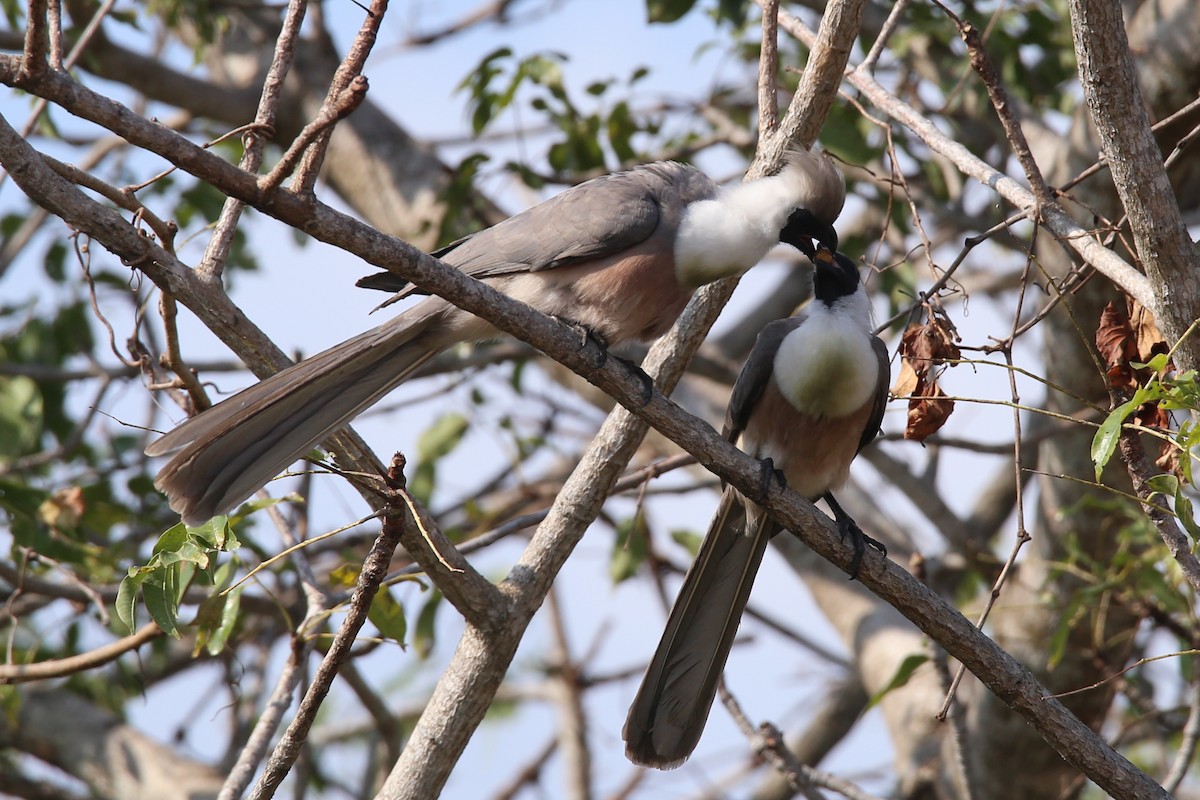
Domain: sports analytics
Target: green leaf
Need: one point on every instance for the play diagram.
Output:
(438, 441)
(422, 481)
(218, 614)
(442, 437)
(1186, 514)
(1163, 484)
(424, 636)
(663, 11)
(10, 704)
(543, 69)
(629, 550)
(216, 533)
(1104, 443)
(1170, 486)
(171, 539)
(387, 615)
(127, 594)
(1057, 648)
(1188, 439)
(21, 415)
(160, 592)
(229, 618)
(485, 103)
(903, 675)
(733, 11)
(257, 504)
(688, 539)
(1156, 364)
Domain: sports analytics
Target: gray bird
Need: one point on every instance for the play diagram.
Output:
(619, 256)
(810, 396)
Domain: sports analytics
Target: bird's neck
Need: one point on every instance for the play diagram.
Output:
(729, 234)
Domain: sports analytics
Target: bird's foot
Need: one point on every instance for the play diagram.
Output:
(858, 540)
(647, 383)
(769, 473)
(588, 336)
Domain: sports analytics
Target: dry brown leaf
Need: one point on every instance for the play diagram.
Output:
(906, 382)
(923, 348)
(1148, 339)
(928, 411)
(63, 509)
(1117, 346)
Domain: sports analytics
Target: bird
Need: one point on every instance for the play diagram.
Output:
(810, 396)
(618, 256)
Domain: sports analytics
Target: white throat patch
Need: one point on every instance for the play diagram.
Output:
(827, 367)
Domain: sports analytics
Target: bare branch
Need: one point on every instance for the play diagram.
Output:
(62, 667)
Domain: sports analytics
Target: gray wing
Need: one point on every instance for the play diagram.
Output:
(755, 374)
(597, 218)
(881, 393)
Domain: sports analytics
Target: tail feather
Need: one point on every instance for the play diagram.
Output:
(221, 457)
(672, 704)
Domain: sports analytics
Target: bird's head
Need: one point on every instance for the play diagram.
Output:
(808, 233)
(819, 193)
(835, 277)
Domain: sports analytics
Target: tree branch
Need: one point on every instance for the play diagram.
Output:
(1118, 110)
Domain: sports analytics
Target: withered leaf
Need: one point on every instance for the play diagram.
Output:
(1117, 346)
(1148, 339)
(928, 410)
(923, 347)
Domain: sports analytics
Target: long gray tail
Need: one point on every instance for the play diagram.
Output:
(222, 456)
(672, 704)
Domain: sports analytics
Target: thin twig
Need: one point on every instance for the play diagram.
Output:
(566, 687)
(982, 63)
(1190, 735)
(269, 720)
(959, 735)
(348, 78)
(1023, 536)
(62, 667)
(885, 34)
(338, 108)
(373, 570)
(36, 40)
(1060, 223)
(216, 254)
(1140, 471)
(768, 742)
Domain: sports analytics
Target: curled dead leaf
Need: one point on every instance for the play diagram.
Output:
(1148, 339)
(928, 410)
(1117, 346)
(924, 348)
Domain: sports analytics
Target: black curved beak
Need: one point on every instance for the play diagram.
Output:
(806, 232)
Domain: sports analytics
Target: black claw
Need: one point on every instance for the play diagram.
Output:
(639, 373)
(588, 336)
(858, 540)
(769, 473)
